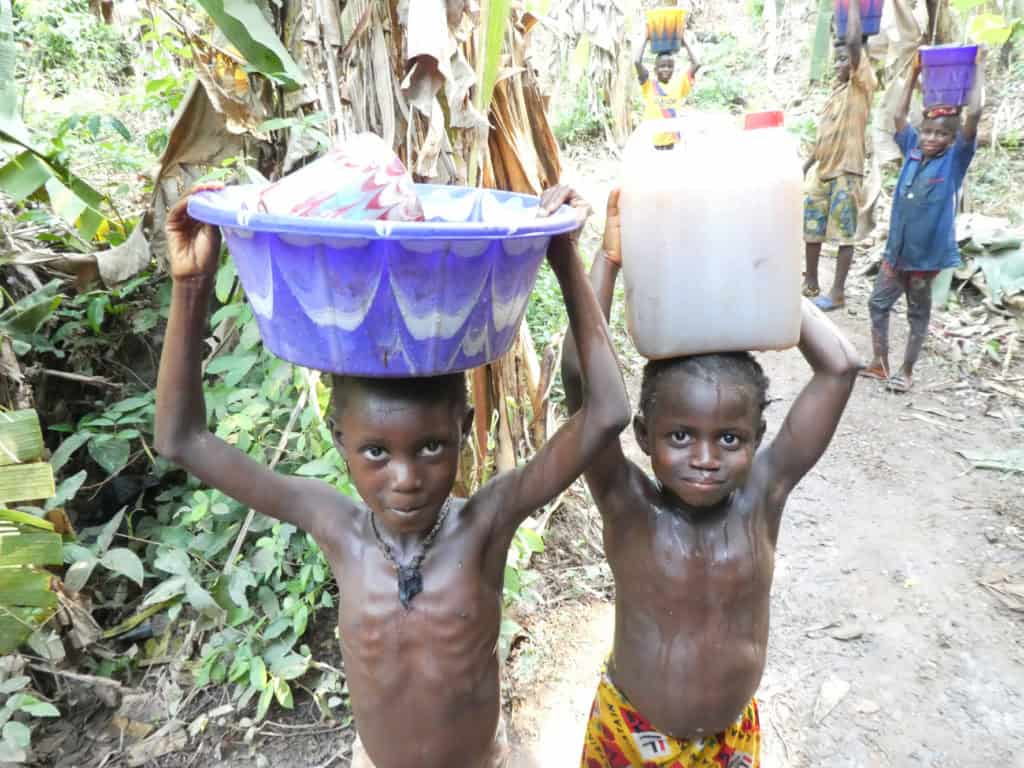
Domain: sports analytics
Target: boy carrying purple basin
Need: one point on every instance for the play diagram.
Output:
(922, 232)
(420, 573)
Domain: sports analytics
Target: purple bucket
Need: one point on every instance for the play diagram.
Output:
(947, 73)
(389, 299)
(870, 16)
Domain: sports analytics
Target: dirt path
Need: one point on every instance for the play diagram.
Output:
(885, 650)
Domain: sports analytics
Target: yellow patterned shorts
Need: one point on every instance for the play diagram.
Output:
(831, 208)
(620, 737)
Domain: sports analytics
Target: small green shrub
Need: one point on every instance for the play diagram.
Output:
(581, 121)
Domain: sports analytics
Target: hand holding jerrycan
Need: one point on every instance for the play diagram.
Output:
(711, 239)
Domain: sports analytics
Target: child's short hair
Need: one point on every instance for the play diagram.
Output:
(450, 388)
(742, 366)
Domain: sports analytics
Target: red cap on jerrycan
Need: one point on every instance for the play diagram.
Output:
(755, 120)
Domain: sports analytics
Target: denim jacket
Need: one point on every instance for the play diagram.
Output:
(922, 232)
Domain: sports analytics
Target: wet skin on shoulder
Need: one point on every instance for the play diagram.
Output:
(693, 559)
(424, 680)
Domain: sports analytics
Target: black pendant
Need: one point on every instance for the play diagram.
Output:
(410, 584)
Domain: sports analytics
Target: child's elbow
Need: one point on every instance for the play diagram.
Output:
(171, 443)
(615, 417)
(849, 366)
(166, 446)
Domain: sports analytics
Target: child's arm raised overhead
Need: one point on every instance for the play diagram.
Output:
(181, 432)
(641, 71)
(814, 416)
(975, 99)
(607, 467)
(902, 117)
(695, 64)
(854, 36)
(604, 412)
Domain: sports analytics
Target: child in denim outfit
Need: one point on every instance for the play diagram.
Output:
(922, 237)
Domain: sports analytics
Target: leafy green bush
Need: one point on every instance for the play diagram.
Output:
(720, 83)
(19, 703)
(68, 42)
(581, 120)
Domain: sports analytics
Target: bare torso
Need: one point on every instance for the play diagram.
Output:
(692, 606)
(424, 681)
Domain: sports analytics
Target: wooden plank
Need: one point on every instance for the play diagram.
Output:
(21, 438)
(26, 482)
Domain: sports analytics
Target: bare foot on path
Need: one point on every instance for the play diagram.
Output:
(875, 371)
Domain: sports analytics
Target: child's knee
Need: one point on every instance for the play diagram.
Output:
(919, 296)
(881, 302)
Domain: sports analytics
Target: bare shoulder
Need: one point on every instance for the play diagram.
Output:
(334, 517)
(620, 489)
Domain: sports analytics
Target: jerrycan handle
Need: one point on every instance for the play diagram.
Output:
(642, 139)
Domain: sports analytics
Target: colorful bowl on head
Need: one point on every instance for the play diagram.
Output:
(665, 27)
(947, 74)
(870, 16)
(389, 299)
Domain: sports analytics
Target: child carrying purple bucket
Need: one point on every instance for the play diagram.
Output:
(922, 236)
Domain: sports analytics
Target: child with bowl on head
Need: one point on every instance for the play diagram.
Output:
(833, 193)
(665, 94)
(922, 228)
(692, 549)
(419, 572)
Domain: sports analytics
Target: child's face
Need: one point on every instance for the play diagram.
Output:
(701, 437)
(664, 67)
(935, 137)
(402, 455)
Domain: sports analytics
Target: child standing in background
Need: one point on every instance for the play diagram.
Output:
(922, 232)
(665, 94)
(834, 191)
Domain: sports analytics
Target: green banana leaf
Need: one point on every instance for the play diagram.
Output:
(245, 26)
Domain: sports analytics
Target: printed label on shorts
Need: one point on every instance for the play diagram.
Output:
(652, 744)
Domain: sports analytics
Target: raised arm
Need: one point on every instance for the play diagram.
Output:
(641, 71)
(854, 36)
(181, 432)
(604, 410)
(606, 469)
(811, 422)
(975, 100)
(695, 64)
(902, 117)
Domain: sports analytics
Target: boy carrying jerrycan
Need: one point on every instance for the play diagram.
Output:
(692, 549)
(419, 571)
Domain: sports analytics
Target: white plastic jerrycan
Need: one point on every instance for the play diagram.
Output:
(711, 238)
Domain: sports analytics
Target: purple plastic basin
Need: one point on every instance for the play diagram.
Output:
(870, 16)
(947, 73)
(387, 299)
